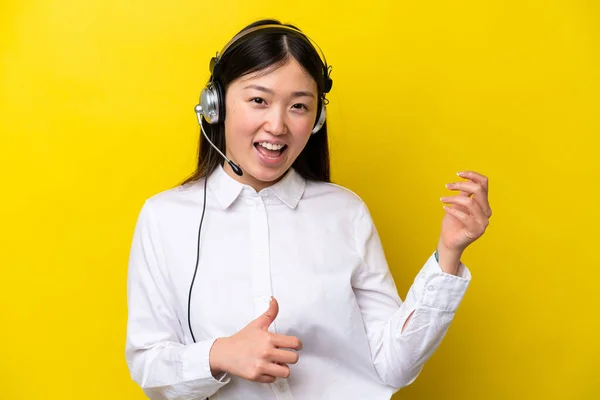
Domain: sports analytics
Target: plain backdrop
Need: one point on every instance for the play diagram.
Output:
(96, 115)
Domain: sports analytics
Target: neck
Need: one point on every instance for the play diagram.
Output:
(248, 179)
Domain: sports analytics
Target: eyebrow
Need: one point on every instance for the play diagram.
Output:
(269, 91)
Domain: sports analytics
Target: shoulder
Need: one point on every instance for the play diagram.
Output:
(336, 197)
(178, 199)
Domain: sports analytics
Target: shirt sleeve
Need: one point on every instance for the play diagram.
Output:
(158, 359)
(399, 357)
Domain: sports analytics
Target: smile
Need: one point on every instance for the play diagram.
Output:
(270, 153)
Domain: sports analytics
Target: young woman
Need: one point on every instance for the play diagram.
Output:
(257, 278)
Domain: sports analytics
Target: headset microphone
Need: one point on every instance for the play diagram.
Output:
(234, 167)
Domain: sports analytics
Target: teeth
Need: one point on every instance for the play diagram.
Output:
(271, 146)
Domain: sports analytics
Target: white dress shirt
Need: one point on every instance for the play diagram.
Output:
(311, 245)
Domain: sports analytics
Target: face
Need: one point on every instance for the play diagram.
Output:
(269, 118)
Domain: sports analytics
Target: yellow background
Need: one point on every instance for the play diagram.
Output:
(96, 116)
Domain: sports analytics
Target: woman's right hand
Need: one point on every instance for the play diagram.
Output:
(254, 353)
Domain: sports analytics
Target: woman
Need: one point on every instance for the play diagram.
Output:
(264, 280)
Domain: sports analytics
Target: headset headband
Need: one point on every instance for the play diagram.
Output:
(274, 27)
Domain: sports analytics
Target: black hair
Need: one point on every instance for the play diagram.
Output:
(261, 51)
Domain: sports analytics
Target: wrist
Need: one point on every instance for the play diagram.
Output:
(214, 358)
(448, 260)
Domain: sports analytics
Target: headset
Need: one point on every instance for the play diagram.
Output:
(212, 98)
(212, 110)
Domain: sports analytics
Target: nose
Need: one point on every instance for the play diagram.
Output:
(275, 123)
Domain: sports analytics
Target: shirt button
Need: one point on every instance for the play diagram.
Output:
(431, 288)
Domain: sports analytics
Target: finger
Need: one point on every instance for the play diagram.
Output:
(284, 357)
(466, 186)
(276, 370)
(464, 191)
(479, 194)
(463, 209)
(474, 210)
(286, 342)
(264, 320)
(266, 379)
(468, 221)
(475, 177)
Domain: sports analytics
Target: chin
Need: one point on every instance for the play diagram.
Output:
(267, 174)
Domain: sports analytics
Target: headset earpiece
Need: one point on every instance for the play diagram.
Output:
(328, 81)
(321, 119)
(212, 105)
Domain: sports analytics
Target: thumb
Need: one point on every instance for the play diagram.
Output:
(264, 320)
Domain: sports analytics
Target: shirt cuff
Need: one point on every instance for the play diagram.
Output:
(221, 376)
(438, 289)
(196, 364)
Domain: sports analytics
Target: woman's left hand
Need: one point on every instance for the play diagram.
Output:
(468, 218)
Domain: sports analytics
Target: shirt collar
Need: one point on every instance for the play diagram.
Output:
(289, 189)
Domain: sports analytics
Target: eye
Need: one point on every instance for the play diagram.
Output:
(258, 100)
(300, 106)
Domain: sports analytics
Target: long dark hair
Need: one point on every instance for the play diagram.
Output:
(254, 53)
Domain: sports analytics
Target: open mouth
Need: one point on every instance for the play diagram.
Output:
(269, 150)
